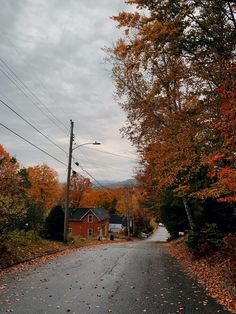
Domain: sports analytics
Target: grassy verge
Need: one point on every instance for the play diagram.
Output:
(22, 246)
(19, 247)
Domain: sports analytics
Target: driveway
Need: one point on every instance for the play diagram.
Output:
(133, 277)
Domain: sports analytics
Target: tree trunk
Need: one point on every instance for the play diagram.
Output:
(133, 226)
(189, 215)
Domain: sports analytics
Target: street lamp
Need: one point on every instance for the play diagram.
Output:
(69, 174)
(93, 143)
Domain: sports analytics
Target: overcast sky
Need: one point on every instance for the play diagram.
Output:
(54, 47)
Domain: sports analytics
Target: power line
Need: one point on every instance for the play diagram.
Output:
(32, 93)
(82, 168)
(32, 97)
(109, 153)
(19, 115)
(97, 186)
(27, 141)
(19, 52)
(17, 107)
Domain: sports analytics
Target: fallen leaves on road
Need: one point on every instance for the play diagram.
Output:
(47, 256)
(209, 271)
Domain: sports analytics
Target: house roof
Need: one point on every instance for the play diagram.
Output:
(116, 219)
(79, 213)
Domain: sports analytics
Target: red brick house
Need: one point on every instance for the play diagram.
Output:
(88, 222)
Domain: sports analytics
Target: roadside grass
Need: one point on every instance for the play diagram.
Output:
(21, 246)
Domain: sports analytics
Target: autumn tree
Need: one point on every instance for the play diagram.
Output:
(78, 187)
(130, 205)
(105, 198)
(222, 162)
(167, 68)
(12, 200)
(11, 182)
(45, 189)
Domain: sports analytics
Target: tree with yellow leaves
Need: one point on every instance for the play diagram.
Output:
(45, 189)
(12, 200)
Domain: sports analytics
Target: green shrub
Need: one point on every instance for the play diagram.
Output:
(206, 240)
(34, 219)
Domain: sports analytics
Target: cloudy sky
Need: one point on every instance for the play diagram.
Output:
(51, 71)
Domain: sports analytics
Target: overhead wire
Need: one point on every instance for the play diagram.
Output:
(38, 100)
(13, 104)
(44, 135)
(19, 52)
(32, 144)
(91, 176)
(31, 96)
(88, 175)
(109, 153)
(35, 97)
(32, 93)
(106, 152)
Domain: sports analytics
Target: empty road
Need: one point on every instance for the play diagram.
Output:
(133, 277)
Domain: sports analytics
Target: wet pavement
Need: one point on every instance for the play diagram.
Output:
(132, 277)
(160, 235)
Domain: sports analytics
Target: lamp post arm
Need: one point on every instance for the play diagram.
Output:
(92, 143)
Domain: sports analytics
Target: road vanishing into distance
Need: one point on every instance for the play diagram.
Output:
(129, 277)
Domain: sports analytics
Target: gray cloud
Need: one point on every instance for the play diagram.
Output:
(55, 47)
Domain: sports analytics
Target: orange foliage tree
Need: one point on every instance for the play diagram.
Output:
(45, 189)
(167, 85)
(223, 164)
(78, 187)
(106, 198)
(12, 201)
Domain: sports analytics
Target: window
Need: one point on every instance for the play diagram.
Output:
(90, 232)
(90, 218)
(69, 230)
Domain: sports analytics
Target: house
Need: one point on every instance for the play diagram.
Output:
(117, 223)
(88, 222)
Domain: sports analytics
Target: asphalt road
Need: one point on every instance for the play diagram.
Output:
(132, 277)
(161, 235)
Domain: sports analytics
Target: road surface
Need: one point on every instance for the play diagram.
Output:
(133, 277)
(160, 235)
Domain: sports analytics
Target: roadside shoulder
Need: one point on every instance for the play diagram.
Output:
(211, 272)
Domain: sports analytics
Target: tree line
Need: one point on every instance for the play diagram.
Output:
(174, 70)
(32, 199)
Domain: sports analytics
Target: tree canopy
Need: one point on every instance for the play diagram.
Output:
(174, 72)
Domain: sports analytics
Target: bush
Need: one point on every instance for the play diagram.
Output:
(221, 214)
(16, 246)
(34, 219)
(54, 225)
(204, 241)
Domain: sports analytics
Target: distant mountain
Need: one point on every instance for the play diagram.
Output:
(115, 185)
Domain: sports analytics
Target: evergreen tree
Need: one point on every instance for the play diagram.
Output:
(54, 225)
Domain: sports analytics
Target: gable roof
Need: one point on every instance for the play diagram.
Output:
(77, 214)
(116, 219)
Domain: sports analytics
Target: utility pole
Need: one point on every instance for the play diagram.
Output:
(127, 208)
(68, 180)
